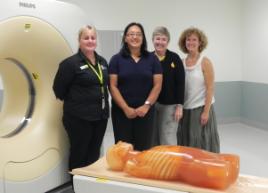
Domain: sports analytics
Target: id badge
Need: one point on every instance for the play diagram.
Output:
(103, 103)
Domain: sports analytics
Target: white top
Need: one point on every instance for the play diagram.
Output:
(195, 88)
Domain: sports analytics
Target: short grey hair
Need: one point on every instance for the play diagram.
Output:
(161, 30)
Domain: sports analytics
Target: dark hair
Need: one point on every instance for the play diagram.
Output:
(125, 50)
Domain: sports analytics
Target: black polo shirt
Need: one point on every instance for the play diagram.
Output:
(79, 87)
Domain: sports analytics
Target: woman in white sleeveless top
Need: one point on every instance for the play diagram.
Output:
(198, 125)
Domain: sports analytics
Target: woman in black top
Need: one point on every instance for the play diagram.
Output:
(171, 98)
(81, 82)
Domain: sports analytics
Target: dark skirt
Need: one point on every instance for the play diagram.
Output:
(192, 133)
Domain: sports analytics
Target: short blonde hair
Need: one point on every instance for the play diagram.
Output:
(161, 30)
(86, 27)
(199, 33)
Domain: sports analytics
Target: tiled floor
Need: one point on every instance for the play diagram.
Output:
(250, 143)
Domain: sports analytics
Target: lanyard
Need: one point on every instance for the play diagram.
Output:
(99, 75)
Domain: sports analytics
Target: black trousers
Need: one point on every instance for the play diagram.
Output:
(85, 140)
(137, 131)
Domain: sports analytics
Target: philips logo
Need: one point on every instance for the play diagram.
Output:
(27, 5)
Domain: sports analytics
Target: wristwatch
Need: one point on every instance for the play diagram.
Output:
(148, 103)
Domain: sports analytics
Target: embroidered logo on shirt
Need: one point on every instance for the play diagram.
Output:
(83, 67)
(172, 65)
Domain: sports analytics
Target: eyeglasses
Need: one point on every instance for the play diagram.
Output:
(134, 34)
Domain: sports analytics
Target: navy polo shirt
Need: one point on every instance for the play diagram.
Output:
(135, 79)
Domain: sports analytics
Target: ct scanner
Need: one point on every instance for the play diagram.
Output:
(34, 37)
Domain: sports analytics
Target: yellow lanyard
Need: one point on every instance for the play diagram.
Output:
(99, 75)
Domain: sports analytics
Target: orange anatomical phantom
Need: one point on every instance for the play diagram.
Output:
(186, 164)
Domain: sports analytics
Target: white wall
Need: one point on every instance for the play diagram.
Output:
(255, 46)
(220, 20)
(237, 29)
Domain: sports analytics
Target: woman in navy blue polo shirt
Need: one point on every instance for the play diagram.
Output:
(135, 83)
